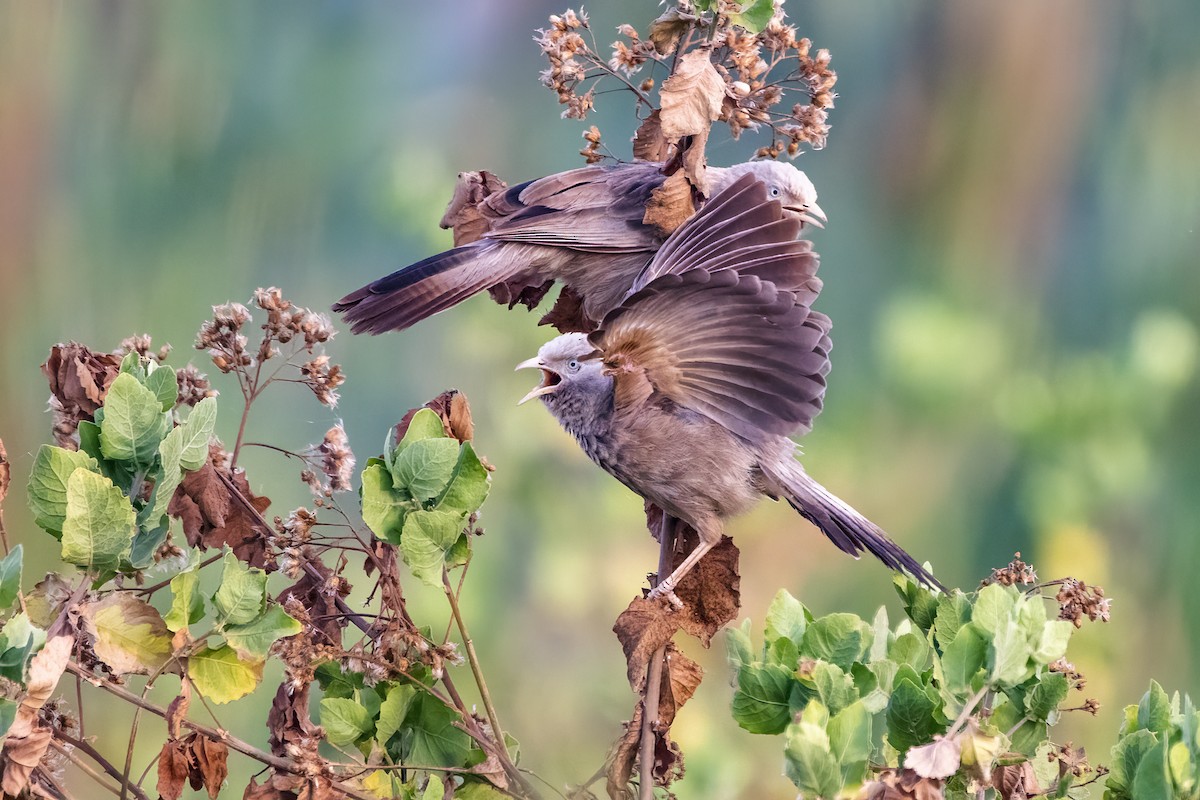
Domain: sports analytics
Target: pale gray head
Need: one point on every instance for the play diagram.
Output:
(785, 183)
(570, 366)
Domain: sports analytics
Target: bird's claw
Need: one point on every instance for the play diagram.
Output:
(666, 591)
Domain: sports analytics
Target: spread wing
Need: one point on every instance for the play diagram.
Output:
(727, 345)
(592, 209)
(740, 228)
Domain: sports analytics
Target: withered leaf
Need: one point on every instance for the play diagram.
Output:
(22, 753)
(126, 633)
(666, 30)
(79, 378)
(622, 758)
(1015, 781)
(454, 410)
(45, 669)
(210, 769)
(691, 97)
(567, 313)
(173, 769)
(520, 290)
(177, 710)
(938, 759)
(288, 721)
(462, 213)
(711, 592)
(680, 678)
(213, 518)
(642, 628)
(649, 144)
(311, 601)
(670, 205)
(904, 784)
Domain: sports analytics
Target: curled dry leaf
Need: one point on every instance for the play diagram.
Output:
(29, 737)
(643, 627)
(198, 759)
(566, 315)
(213, 518)
(938, 759)
(691, 100)
(670, 204)
(1015, 781)
(711, 593)
(313, 601)
(5, 475)
(622, 758)
(519, 291)
(79, 378)
(288, 721)
(462, 213)
(21, 755)
(649, 144)
(454, 410)
(681, 676)
(666, 30)
(903, 784)
(173, 769)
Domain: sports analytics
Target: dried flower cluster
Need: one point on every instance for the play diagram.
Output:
(334, 459)
(222, 337)
(760, 70)
(1078, 600)
(140, 343)
(193, 386)
(1077, 679)
(1017, 573)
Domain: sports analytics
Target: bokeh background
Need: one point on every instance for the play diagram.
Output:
(1012, 263)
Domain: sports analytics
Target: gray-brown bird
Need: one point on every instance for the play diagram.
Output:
(690, 388)
(582, 227)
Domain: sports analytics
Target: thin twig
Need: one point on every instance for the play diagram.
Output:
(86, 747)
(667, 532)
(85, 768)
(473, 659)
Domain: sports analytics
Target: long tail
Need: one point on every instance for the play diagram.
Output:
(845, 527)
(421, 290)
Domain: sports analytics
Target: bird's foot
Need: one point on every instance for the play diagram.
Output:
(666, 591)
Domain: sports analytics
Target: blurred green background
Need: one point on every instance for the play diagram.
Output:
(1012, 263)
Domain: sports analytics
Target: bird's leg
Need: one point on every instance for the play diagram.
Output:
(710, 536)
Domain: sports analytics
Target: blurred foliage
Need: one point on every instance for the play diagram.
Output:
(1011, 262)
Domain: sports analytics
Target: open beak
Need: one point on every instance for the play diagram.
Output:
(810, 214)
(550, 380)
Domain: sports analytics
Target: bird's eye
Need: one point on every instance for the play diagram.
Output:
(573, 365)
(775, 191)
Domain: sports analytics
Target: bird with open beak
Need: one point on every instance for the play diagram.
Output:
(690, 388)
(583, 228)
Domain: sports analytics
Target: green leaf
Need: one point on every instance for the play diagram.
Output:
(187, 605)
(134, 422)
(1008, 656)
(783, 651)
(197, 431)
(99, 525)
(1028, 734)
(435, 739)
(392, 711)
(760, 703)
(434, 788)
(424, 467)
(753, 15)
(52, 468)
(994, 607)
(469, 483)
(1053, 643)
(427, 537)
(345, 721)
(8, 714)
(425, 424)
(808, 760)
(161, 381)
(738, 647)
(10, 577)
(911, 649)
(835, 688)
(1126, 756)
(1183, 771)
(242, 595)
(964, 657)
(1044, 698)
(1151, 781)
(786, 618)
(850, 741)
(839, 638)
(254, 639)
(221, 676)
(920, 604)
(910, 720)
(383, 507)
(1154, 710)
(953, 612)
(336, 683)
(127, 634)
(17, 640)
(165, 484)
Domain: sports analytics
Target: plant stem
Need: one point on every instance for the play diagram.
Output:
(667, 531)
(473, 659)
(83, 746)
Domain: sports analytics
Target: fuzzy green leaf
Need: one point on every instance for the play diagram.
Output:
(8, 714)
(1154, 710)
(1044, 698)
(127, 634)
(850, 741)
(168, 479)
(910, 720)
(834, 686)
(392, 711)
(425, 467)
(197, 431)
(221, 676)
(383, 507)
(428, 537)
(52, 468)
(839, 638)
(753, 15)
(345, 721)
(786, 617)
(10, 576)
(425, 424)
(242, 595)
(254, 639)
(808, 760)
(99, 525)
(1152, 782)
(953, 611)
(163, 384)
(469, 483)
(187, 605)
(133, 423)
(1008, 656)
(435, 738)
(994, 607)
(760, 704)
(964, 657)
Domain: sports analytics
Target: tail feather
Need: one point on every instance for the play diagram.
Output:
(849, 530)
(421, 290)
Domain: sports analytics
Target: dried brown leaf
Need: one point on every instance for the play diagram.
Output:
(79, 378)
(691, 97)
(711, 592)
(622, 758)
(520, 291)
(903, 784)
(1015, 781)
(666, 30)
(21, 754)
(311, 601)
(680, 678)
(642, 628)
(670, 205)
(567, 315)
(288, 721)
(45, 670)
(649, 144)
(177, 710)
(173, 769)
(454, 410)
(210, 768)
(462, 213)
(213, 518)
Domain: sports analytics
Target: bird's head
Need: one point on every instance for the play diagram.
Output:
(568, 362)
(789, 186)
